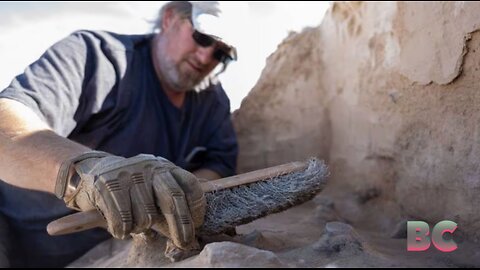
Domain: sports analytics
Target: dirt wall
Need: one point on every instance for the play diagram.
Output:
(387, 93)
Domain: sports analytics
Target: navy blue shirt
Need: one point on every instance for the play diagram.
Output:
(100, 89)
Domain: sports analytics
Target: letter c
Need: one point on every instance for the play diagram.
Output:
(437, 236)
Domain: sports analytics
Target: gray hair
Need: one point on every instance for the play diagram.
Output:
(183, 8)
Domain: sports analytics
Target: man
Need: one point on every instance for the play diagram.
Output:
(130, 98)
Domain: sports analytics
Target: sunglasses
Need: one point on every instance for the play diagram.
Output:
(222, 53)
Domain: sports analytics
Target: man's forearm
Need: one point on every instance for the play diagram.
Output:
(30, 152)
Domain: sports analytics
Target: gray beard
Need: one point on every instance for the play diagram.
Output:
(178, 81)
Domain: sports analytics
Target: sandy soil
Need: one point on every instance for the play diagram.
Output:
(309, 235)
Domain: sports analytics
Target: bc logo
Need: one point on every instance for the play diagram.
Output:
(418, 236)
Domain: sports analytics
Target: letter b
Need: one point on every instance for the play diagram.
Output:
(417, 236)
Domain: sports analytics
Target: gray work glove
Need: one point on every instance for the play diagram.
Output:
(134, 193)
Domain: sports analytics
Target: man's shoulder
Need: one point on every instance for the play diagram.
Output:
(111, 40)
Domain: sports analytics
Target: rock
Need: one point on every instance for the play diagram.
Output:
(337, 228)
(339, 237)
(108, 254)
(229, 254)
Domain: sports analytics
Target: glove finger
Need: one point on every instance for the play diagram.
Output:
(194, 194)
(143, 206)
(112, 203)
(174, 207)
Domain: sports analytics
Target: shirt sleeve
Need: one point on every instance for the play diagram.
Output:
(222, 147)
(57, 85)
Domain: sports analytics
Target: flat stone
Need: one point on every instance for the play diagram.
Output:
(229, 254)
(336, 228)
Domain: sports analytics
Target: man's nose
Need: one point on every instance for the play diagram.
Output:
(205, 54)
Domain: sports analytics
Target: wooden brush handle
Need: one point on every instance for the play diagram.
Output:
(90, 219)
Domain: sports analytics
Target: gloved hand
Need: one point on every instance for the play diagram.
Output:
(134, 193)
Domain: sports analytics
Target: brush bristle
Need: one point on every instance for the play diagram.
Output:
(232, 207)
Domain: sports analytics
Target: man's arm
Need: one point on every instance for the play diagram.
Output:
(31, 155)
(30, 152)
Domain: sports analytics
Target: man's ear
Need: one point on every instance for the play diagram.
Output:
(169, 18)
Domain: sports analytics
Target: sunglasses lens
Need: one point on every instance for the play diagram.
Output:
(221, 54)
(202, 39)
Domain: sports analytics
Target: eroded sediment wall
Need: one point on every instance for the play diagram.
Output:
(387, 93)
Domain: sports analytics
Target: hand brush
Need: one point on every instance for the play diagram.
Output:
(235, 200)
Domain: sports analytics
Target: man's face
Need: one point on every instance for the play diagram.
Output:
(179, 61)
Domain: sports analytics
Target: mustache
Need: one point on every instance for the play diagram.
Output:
(197, 64)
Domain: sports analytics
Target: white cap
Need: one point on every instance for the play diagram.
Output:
(213, 19)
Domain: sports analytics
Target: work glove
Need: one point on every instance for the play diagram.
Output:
(134, 193)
